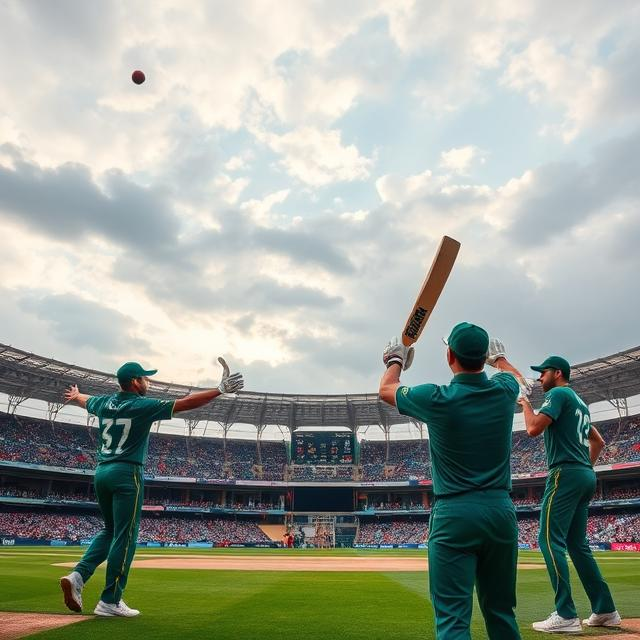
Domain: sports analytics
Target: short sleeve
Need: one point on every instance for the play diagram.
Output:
(153, 409)
(552, 405)
(93, 405)
(413, 401)
(508, 381)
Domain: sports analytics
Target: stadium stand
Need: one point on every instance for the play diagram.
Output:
(393, 532)
(182, 529)
(610, 527)
(71, 446)
(618, 527)
(205, 512)
(405, 460)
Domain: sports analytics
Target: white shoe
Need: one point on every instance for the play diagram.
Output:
(612, 619)
(557, 624)
(109, 610)
(72, 586)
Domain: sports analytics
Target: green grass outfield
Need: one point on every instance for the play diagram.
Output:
(187, 604)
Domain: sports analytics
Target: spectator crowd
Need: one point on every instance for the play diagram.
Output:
(47, 526)
(621, 527)
(393, 532)
(41, 442)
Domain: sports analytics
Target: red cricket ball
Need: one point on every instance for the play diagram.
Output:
(137, 76)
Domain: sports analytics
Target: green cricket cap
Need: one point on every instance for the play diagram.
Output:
(468, 340)
(555, 362)
(130, 370)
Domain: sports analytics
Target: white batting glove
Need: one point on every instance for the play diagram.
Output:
(496, 351)
(526, 387)
(396, 353)
(230, 383)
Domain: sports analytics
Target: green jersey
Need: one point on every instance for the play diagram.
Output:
(566, 439)
(470, 423)
(125, 421)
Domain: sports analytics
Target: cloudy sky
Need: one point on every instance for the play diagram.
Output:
(274, 192)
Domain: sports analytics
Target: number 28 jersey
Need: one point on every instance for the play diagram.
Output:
(566, 439)
(125, 421)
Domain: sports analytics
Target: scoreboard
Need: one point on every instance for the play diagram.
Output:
(322, 447)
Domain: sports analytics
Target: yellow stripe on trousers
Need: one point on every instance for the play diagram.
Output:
(131, 527)
(551, 497)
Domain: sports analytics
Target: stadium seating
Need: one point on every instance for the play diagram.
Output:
(61, 445)
(157, 529)
(36, 441)
(393, 532)
(620, 527)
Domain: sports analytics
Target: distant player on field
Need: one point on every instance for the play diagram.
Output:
(125, 420)
(473, 532)
(572, 446)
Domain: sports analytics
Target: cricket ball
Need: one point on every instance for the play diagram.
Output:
(137, 76)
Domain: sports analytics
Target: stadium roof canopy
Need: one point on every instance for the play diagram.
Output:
(25, 375)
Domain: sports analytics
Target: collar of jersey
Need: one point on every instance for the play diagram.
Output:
(470, 378)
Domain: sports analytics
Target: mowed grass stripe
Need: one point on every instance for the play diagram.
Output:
(187, 604)
(524, 556)
(226, 551)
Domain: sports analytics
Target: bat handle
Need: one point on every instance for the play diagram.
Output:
(406, 340)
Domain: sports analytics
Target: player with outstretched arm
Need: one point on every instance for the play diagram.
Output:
(473, 532)
(124, 424)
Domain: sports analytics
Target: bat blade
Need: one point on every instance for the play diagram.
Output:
(431, 289)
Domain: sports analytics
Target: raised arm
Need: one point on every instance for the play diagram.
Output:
(535, 423)
(230, 383)
(395, 357)
(72, 394)
(389, 384)
(496, 357)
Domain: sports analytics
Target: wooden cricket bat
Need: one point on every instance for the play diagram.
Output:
(431, 289)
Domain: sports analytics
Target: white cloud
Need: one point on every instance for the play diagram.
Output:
(261, 210)
(313, 96)
(318, 157)
(546, 74)
(459, 159)
(355, 216)
(235, 163)
(275, 179)
(230, 189)
(398, 190)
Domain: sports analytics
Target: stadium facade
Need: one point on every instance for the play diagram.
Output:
(324, 483)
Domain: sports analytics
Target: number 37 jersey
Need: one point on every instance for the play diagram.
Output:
(125, 421)
(566, 439)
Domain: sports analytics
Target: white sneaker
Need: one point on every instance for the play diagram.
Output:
(109, 610)
(612, 619)
(72, 586)
(557, 624)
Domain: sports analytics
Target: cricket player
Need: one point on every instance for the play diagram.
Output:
(572, 446)
(473, 533)
(125, 420)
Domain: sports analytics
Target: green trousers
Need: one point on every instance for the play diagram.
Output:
(563, 527)
(473, 540)
(119, 488)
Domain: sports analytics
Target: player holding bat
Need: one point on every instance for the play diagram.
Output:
(473, 533)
